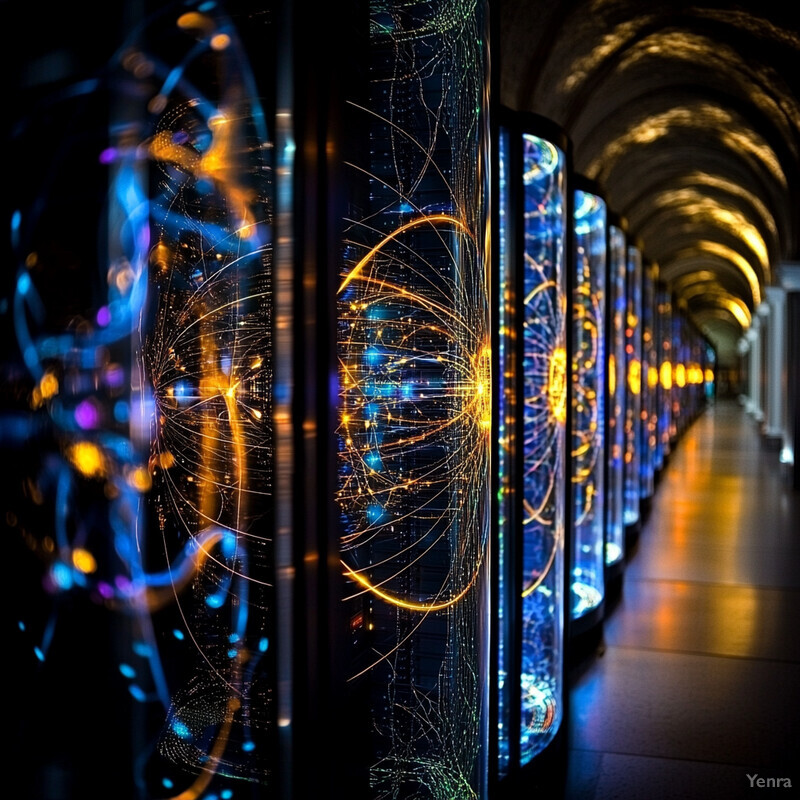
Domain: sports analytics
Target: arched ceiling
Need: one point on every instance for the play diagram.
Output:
(688, 115)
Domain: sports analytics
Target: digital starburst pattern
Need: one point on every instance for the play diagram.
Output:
(588, 403)
(415, 400)
(545, 374)
(633, 397)
(648, 431)
(615, 531)
(165, 421)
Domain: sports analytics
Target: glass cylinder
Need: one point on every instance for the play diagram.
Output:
(415, 401)
(588, 404)
(615, 529)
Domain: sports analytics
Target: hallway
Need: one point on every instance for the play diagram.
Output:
(697, 681)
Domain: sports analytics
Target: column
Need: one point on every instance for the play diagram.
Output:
(775, 373)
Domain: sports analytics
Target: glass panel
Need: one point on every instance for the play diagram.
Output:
(506, 455)
(415, 402)
(144, 314)
(664, 343)
(588, 403)
(615, 534)
(649, 425)
(545, 374)
(633, 361)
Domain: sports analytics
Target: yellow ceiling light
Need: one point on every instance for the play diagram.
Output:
(676, 45)
(738, 308)
(701, 288)
(741, 263)
(690, 278)
(735, 306)
(701, 116)
(734, 189)
(609, 44)
(748, 141)
(722, 59)
(703, 209)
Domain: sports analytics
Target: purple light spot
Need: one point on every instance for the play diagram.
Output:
(108, 155)
(103, 316)
(87, 415)
(114, 376)
(180, 137)
(105, 589)
(123, 584)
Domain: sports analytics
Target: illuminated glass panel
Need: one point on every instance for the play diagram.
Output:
(158, 390)
(532, 396)
(507, 457)
(545, 373)
(664, 343)
(615, 531)
(588, 403)
(649, 420)
(415, 402)
(633, 362)
(678, 373)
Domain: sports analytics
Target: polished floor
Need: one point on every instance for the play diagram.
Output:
(696, 683)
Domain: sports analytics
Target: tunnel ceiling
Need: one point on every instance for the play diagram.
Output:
(688, 117)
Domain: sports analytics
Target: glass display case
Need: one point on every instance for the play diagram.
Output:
(633, 397)
(617, 397)
(664, 344)
(415, 403)
(534, 214)
(147, 327)
(588, 403)
(649, 419)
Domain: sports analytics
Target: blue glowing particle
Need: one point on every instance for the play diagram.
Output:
(24, 283)
(263, 645)
(21, 625)
(181, 729)
(373, 460)
(62, 575)
(167, 783)
(141, 649)
(178, 634)
(249, 746)
(215, 600)
(374, 513)
(38, 653)
(226, 794)
(232, 653)
(137, 693)
(228, 545)
(233, 638)
(127, 670)
(122, 411)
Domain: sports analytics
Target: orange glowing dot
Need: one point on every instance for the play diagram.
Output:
(139, 479)
(193, 19)
(88, 459)
(84, 561)
(220, 41)
(48, 386)
(557, 384)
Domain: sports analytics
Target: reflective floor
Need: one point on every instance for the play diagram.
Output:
(696, 684)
